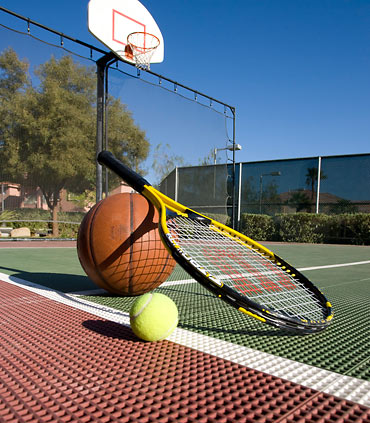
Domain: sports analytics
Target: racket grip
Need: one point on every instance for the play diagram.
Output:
(136, 181)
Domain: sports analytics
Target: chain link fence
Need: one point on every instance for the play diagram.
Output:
(328, 184)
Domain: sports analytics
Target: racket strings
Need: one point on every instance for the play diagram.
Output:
(244, 269)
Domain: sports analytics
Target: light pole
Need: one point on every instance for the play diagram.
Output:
(238, 147)
(278, 173)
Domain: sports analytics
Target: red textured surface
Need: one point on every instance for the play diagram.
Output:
(60, 364)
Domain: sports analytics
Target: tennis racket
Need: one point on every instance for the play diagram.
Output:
(240, 271)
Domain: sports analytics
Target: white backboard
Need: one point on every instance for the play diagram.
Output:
(111, 21)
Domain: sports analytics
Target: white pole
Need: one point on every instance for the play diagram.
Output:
(176, 182)
(318, 186)
(239, 195)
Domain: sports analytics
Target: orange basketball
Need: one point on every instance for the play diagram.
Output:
(119, 246)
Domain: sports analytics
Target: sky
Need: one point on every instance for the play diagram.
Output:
(296, 71)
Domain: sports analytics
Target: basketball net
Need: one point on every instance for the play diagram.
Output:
(142, 45)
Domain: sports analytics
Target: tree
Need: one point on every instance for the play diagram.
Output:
(311, 179)
(14, 80)
(13, 75)
(125, 139)
(209, 159)
(300, 201)
(343, 206)
(271, 199)
(54, 144)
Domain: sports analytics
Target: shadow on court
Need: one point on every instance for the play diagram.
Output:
(62, 282)
(110, 329)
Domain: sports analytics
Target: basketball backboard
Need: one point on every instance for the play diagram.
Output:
(112, 21)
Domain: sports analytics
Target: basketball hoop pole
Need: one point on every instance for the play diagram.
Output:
(101, 65)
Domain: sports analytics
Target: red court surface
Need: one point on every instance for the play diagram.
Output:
(62, 364)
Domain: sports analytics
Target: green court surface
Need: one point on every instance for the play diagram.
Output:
(342, 348)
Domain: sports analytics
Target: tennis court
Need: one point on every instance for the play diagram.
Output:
(68, 354)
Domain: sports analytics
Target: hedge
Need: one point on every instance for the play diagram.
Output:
(258, 226)
(39, 221)
(297, 227)
(301, 227)
(309, 228)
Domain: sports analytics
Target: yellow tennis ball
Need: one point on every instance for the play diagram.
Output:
(153, 317)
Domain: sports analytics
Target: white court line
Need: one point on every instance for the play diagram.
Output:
(348, 388)
(301, 269)
(331, 266)
(189, 281)
(179, 282)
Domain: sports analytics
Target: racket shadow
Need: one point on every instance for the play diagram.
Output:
(174, 291)
(191, 299)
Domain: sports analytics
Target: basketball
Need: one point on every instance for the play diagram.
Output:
(119, 246)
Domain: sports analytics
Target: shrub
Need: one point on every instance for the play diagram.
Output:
(258, 226)
(302, 227)
(309, 228)
(298, 227)
(39, 221)
(7, 215)
(354, 228)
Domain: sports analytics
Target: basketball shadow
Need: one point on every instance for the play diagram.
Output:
(62, 282)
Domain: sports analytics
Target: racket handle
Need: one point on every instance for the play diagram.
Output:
(136, 181)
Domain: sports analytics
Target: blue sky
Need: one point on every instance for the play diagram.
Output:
(297, 71)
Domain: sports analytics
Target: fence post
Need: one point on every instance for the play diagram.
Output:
(176, 183)
(318, 185)
(239, 196)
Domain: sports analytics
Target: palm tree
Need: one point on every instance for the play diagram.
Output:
(311, 179)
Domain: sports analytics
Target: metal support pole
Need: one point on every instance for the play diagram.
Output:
(106, 119)
(99, 129)
(101, 66)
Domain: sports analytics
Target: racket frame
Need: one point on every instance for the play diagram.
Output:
(205, 278)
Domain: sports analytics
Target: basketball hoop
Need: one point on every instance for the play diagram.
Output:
(142, 46)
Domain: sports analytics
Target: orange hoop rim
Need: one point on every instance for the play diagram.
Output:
(142, 49)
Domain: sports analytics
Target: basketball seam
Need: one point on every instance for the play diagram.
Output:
(91, 245)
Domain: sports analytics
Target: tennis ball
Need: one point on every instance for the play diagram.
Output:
(153, 317)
